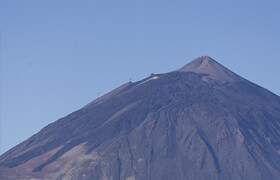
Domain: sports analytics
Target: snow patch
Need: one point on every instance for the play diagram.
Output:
(131, 178)
(140, 160)
(152, 78)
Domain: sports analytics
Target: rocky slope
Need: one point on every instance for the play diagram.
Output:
(201, 121)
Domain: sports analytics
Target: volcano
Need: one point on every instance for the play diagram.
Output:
(201, 121)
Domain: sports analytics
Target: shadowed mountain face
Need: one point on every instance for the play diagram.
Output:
(199, 122)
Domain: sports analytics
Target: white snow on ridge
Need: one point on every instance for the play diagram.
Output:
(152, 78)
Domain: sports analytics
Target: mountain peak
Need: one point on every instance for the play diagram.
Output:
(207, 65)
(170, 126)
(204, 58)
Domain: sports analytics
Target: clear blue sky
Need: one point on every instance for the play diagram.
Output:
(56, 55)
